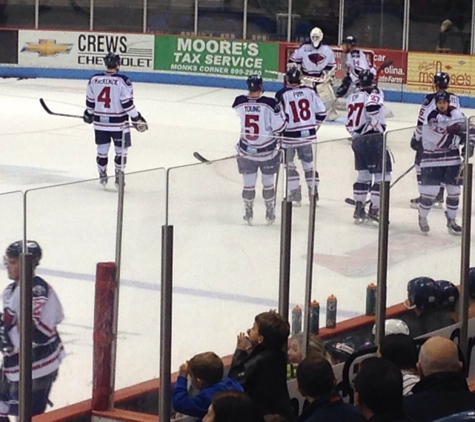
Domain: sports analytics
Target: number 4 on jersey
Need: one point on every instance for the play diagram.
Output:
(105, 97)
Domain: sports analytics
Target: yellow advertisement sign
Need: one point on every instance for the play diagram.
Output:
(421, 68)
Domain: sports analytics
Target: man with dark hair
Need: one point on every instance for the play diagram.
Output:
(443, 389)
(401, 350)
(378, 393)
(316, 382)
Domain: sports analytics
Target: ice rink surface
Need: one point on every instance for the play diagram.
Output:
(225, 272)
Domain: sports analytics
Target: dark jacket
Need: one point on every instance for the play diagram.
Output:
(330, 408)
(262, 373)
(391, 417)
(430, 320)
(198, 405)
(438, 395)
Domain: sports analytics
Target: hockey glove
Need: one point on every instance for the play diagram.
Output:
(87, 117)
(344, 87)
(415, 143)
(454, 129)
(139, 123)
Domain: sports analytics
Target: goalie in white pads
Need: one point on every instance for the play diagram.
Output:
(442, 134)
(262, 121)
(318, 67)
(366, 124)
(305, 112)
(109, 103)
(441, 84)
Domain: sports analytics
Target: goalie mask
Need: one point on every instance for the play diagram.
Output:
(316, 37)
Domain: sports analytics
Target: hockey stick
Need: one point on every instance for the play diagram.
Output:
(46, 108)
(351, 201)
(204, 160)
(386, 64)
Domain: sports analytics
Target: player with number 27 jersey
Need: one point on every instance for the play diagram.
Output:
(366, 112)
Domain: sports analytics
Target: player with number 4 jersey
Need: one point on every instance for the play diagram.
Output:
(109, 104)
(366, 124)
(305, 112)
(262, 121)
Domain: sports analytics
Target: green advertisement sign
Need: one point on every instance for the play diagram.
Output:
(215, 56)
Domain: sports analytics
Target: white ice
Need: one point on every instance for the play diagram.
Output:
(225, 272)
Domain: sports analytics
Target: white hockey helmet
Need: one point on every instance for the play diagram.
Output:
(393, 326)
(316, 36)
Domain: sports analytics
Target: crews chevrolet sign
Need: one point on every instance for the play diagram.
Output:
(78, 50)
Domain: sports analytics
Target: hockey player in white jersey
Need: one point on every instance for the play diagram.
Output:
(318, 65)
(354, 62)
(48, 351)
(441, 84)
(262, 121)
(443, 132)
(109, 104)
(305, 112)
(366, 124)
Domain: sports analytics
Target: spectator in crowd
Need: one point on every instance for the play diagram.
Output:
(262, 368)
(443, 389)
(316, 382)
(401, 350)
(423, 296)
(232, 406)
(378, 391)
(206, 375)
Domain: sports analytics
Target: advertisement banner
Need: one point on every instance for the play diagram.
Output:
(84, 50)
(422, 67)
(215, 56)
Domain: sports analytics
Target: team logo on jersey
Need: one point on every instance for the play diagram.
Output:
(316, 58)
(47, 48)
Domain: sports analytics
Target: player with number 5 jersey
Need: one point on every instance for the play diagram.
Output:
(262, 121)
(366, 124)
(109, 104)
(305, 113)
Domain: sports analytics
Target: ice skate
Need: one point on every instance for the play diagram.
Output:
(103, 178)
(424, 225)
(452, 226)
(439, 199)
(248, 213)
(270, 213)
(373, 214)
(360, 214)
(117, 178)
(414, 203)
(295, 197)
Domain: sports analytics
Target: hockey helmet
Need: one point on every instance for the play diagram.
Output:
(16, 248)
(254, 82)
(316, 37)
(112, 60)
(442, 96)
(471, 282)
(350, 39)
(441, 80)
(393, 326)
(448, 295)
(341, 350)
(366, 78)
(421, 293)
(292, 75)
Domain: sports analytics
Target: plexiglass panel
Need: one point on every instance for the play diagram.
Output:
(118, 15)
(17, 13)
(171, 17)
(65, 14)
(225, 270)
(75, 225)
(139, 304)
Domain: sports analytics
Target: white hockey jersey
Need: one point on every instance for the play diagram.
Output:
(366, 112)
(304, 111)
(110, 98)
(441, 136)
(261, 120)
(428, 105)
(355, 62)
(314, 61)
(48, 351)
